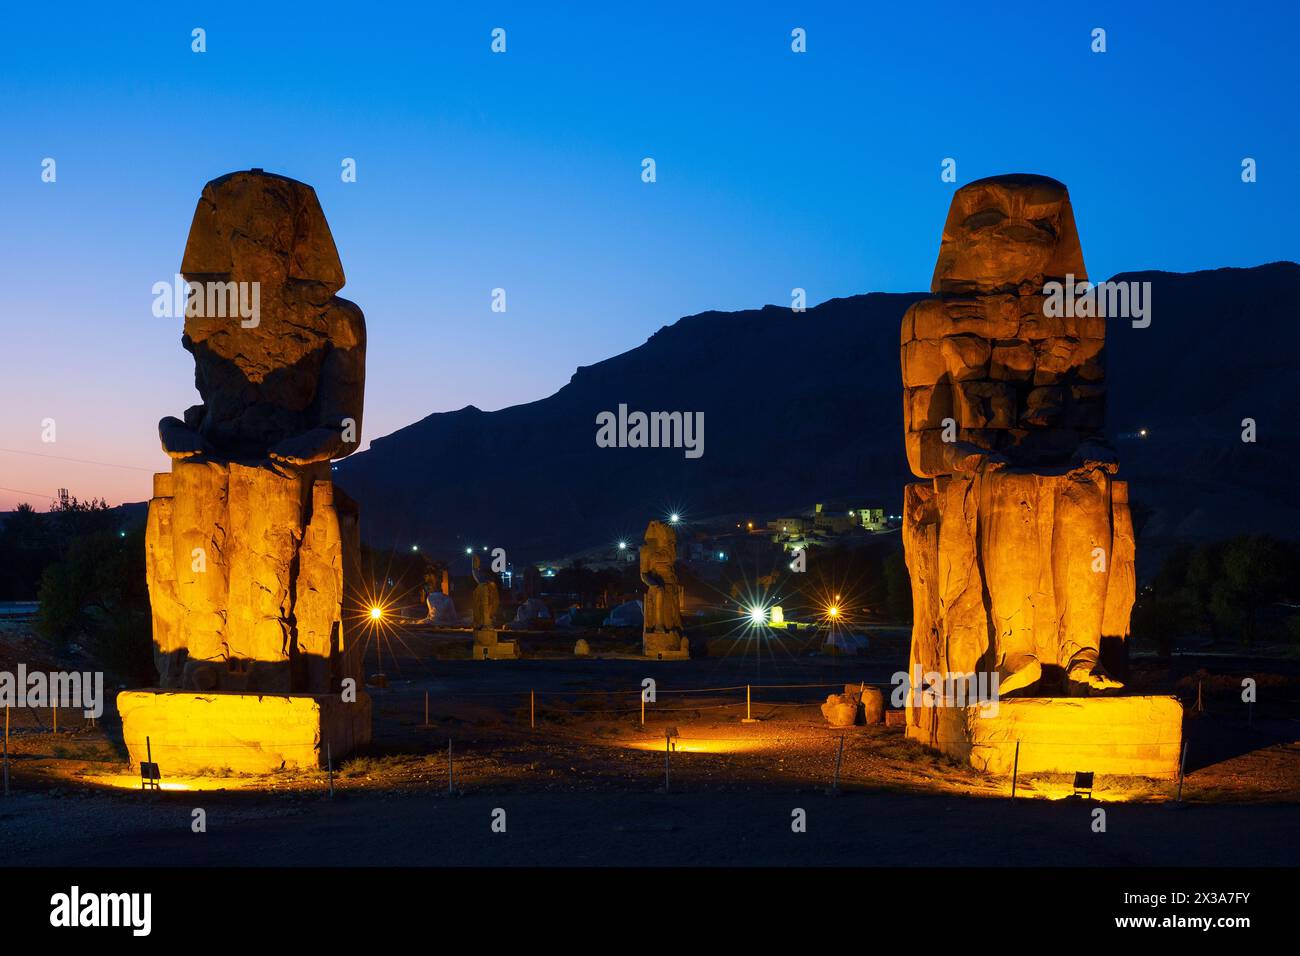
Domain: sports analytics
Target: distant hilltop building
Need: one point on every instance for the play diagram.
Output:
(826, 521)
(708, 544)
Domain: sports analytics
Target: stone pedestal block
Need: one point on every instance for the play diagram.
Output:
(665, 646)
(500, 651)
(1139, 736)
(192, 732)
(488, 646)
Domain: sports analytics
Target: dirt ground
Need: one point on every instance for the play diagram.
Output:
(557, 743)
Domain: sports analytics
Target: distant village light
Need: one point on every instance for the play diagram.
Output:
(622, 545)
(469, 550)
(758, 615)
(674, 517)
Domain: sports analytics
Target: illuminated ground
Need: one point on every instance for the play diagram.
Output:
(586, 785)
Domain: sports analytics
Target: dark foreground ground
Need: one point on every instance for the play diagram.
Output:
(558, 745)
(638, 829)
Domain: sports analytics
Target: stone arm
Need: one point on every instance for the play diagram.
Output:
(968, 458)
(181, 439)
(1092, 455)
(648, 575)
(339, 395)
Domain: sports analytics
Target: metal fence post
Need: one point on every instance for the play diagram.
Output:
(1015, 771)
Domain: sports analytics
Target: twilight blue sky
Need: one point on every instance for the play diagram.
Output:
(522, 170)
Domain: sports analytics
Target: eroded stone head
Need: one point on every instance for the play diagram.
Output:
(991, 374)
(661, 539)
(1008, 232)
(279, 358)
(258, 226)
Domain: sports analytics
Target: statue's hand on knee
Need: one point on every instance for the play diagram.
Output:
(1093, 456)
(319, 444)
(1085, 674)
(180, 441)
(963, 457)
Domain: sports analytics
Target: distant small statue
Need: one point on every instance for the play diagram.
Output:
(531, 611)
(439, 607)
(661, 635)
(487, 598)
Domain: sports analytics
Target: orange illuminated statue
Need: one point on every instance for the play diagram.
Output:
(1019, 543)
(250, 549)
(248, 540)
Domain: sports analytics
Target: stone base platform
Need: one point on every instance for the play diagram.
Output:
(192, 731)
(670, 646)
(488, 646)
(500, 651)
(1134, 736)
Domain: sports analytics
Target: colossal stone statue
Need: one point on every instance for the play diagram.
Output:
(250, 548)
(661, 635)
(1019, 544)
(249, 542)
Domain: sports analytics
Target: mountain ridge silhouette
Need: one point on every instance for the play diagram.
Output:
(805, 407)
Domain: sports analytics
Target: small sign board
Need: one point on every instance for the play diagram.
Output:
(149, 776)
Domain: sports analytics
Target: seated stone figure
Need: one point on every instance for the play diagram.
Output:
(487, 597)
(439, 607)
(661, 636)
(289, 383)
(249, 545)
(1020, 546)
